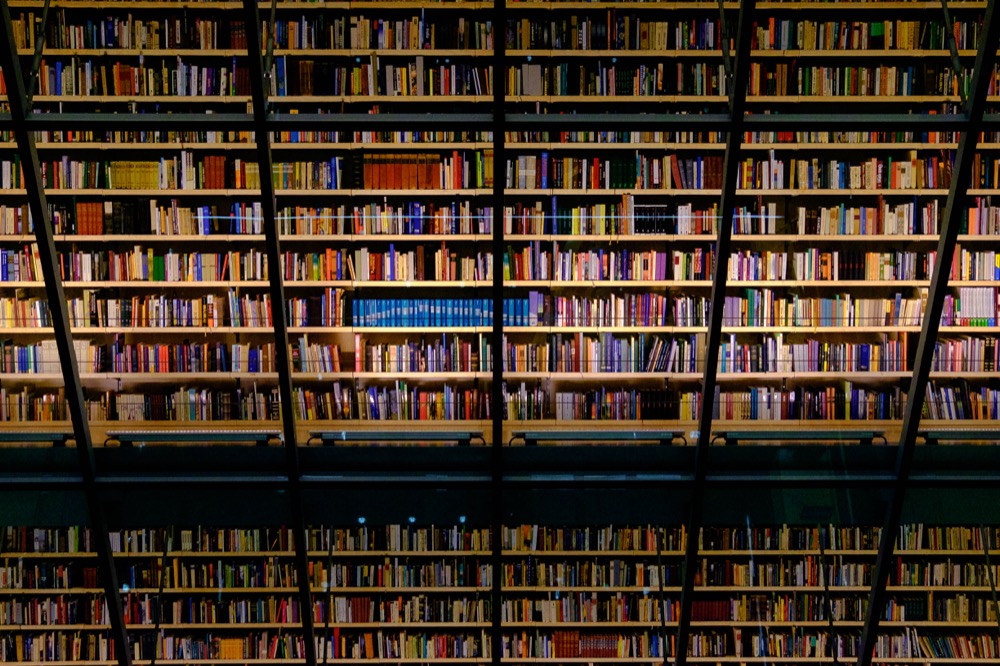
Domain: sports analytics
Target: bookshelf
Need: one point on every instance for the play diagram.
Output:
(787, 594)
(608, 236)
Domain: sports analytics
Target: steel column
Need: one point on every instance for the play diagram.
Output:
(278, 319)
(59, 313)
(737, 106)
(951, 220)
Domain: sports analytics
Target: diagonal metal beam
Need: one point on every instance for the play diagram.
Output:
(262, 137)
(59, 313)
(740, 77)
(496, 393)
(954, 211)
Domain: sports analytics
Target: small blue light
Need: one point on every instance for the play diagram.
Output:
(461, 519)
(361, 520)
(125, 587)
(412, 519)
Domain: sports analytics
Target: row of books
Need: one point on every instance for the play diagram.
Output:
(624, 217)
(843, 402)
(638, 171)
(408, 218)
(128, 32)
(522, 403)
(761, 307)
(774, 355)
(145, 264)
(456, 170)
(57, 645)
(633, 539)
(938, 574)
(814, 264)
(53, 611)
(393, 265)
(615, 30)
(604, 353)
(928, 78)
(966, 355)
(975, 306)
(534, 263)
(621, 215)
(94, 218)
(119, 357)
(615, 79)
(900, 219)
(960, 402)
(389, 312)
(785, 571)
(418, 76)
(186, 404)
(153, 77)
(705, 172)
(541, 309)
(447, 354)
(528, 403)
(872, 174)
(565, 644)
(851, 34)
(415, 32)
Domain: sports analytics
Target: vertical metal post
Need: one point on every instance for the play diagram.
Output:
(279, 315)
(951, 220)
(737, 105)
(59, 313)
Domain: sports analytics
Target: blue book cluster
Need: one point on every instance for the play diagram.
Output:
(388, 312)
(525, 311)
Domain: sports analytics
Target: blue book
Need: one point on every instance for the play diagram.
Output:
(280, 66)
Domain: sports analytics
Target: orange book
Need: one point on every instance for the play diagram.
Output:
(367, 172)
(396, 173)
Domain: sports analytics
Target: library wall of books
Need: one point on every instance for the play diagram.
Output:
(499, 332)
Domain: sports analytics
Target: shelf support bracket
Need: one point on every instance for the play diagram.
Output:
(59, 315)
(951, 219)
(727, 202)
(279, 316)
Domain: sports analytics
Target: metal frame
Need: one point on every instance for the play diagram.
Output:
(951, 220)
(59, 311)
(667, 122)
(262, 137)
(730, 172)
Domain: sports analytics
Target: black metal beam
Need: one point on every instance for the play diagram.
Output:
(740, 78)
(279, 314)
(314, 121)
(497, 126)
(59, 313)
(954, 211)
